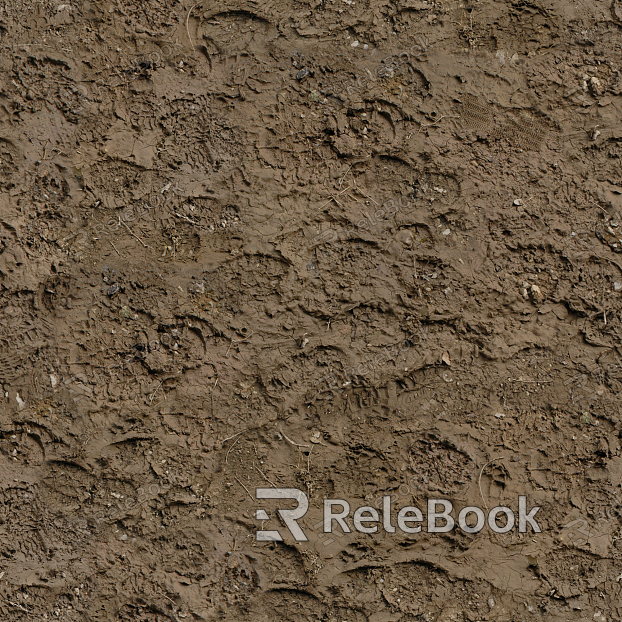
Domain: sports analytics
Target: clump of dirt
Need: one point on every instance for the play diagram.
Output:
(364, 249)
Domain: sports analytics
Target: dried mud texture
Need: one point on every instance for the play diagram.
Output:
(358, 248)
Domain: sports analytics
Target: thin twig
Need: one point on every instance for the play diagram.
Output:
(236, 341)
(432, 124)
(194, 222)
(354, 199)
(332, 198)
(224, 440)
(598, 206)
(18, 606)
(188, 19)
(367, 197)
(344, 175)
(131, 232)
(115, 248)
(290, 440)
(156, 390)
(245, 488)
(265, 477)
(230, 448)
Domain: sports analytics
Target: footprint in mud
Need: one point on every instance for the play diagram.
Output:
(21, 447)
(440, 466)
(249, 26)
(157, 19)
(570, 572)
(12, 365)
(525, 28)
(521, 131)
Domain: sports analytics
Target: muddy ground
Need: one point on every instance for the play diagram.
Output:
(355, 247)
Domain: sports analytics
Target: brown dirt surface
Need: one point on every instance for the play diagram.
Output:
(354, 247)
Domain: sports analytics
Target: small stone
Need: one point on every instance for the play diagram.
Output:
(536, 294)
(596, 87)
(518, 202)
(113, 289)
(354, 44)
(617, 286)
(303, 73)
(316, 438)
(197, 288)
(447, 232)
